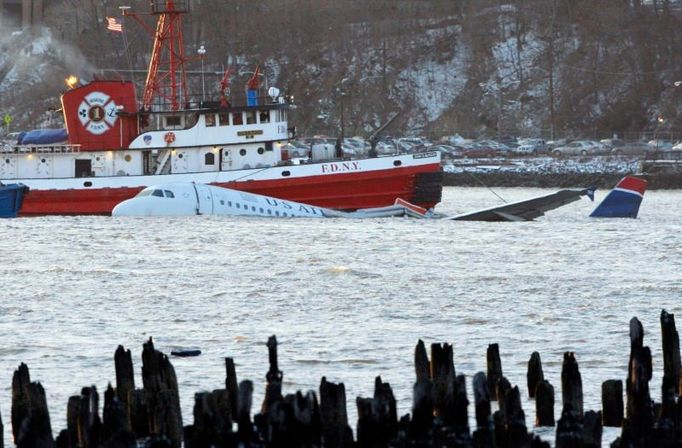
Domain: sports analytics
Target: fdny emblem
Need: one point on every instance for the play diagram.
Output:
(147, 140)
(97, 113)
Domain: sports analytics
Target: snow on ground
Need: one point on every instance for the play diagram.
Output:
(436, 84)
(543, 165)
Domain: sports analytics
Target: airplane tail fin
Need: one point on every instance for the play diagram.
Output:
(623, 201)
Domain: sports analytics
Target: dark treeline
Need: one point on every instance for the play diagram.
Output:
(590, 67)
(439, 417)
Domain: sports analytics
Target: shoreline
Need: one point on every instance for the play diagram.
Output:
(555, 180)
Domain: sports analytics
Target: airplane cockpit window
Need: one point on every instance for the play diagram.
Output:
(145, 192)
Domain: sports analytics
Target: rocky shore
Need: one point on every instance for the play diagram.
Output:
(554, 180)
(546, 172)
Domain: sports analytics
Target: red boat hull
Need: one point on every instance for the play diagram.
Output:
(420, 185)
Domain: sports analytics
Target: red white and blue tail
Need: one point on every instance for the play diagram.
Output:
(623, 201)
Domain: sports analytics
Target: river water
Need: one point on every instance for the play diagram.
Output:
(347, 299)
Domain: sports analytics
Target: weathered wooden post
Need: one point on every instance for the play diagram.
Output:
(483, 436)
(612, 402)
(671, 356)
(422, 409)
(544, 404)
(89, 423)
(571, 385)
(569, 431)
(640, 414)
(535, 374)
(515, 419)
(273, 388)
(161, 393)
(501, 388)
(30, 417)
(231, 384)
(443, 376)
(335, 429)
(592, 429)
(125, 380)
(377, 417)
(421, 362)
(245, 427)
(494, 370)
(115, 426)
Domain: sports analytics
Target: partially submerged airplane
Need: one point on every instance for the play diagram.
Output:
(623, 201)
(186, 199)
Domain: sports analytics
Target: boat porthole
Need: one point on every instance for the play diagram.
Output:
(180, 156)
(261, 150)
(286, 173)
(242, 152)
(97, 158)
(397, 163)
(127, 158)
(42, 160)
(6, 160)
(87, 184)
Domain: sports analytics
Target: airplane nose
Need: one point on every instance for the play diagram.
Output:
(125, 208)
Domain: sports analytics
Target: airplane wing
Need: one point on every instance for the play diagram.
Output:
(528, 209)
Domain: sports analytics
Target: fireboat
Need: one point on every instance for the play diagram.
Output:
(114, 146)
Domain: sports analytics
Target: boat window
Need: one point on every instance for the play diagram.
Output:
(237, 205)
(242, 152)
(209, 158)
(173, 121)
(210, 120)
(237, 119)
(251, 117)
(169, 194)
(261, 150)
(158, 193)
(268, 146)
(224, 119)
(264, 116)
(229, 203)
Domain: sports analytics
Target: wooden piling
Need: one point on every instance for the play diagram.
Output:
(501, 388)
(89, 423)
(571, 385)
(483, 435)
(161, 393)
(421, 362)
(231, 384)
(612, 403)
(273, 387)
(422, 409)
(494, 370)
(125, 380)
(671, 354)
(21, 406)
(443, 376)
(544, 404)
(245, 428)
(335, 429)
(592, 429)
(535, 374)
(569, 431)
(515, 419)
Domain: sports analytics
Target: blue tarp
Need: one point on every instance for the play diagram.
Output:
(44, 137)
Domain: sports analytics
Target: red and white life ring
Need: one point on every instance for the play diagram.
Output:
(169, 138)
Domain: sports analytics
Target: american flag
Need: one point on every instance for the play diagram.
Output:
(114, 25)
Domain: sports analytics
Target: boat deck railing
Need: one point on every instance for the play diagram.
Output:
(39, 149)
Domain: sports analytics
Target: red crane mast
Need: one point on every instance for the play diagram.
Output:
(166, 76)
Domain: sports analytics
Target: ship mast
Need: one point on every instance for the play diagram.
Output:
(166, 76)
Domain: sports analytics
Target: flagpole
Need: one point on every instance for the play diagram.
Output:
(126, 45)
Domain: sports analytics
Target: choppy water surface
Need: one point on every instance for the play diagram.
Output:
(347, 299)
